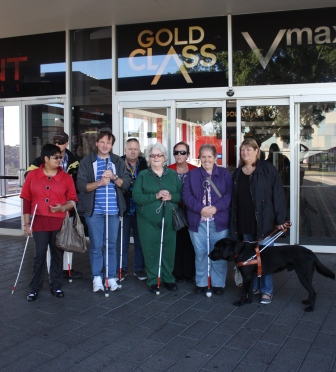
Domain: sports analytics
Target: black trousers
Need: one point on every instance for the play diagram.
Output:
(184, 256)
(42, 240)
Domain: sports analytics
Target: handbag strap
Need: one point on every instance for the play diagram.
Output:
(75, 208)
(214, 187)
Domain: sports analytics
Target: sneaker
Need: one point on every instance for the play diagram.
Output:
(113, 285)
(123, 276)
(256, 291)
(266, 298)
(98, 284)
(141, 275)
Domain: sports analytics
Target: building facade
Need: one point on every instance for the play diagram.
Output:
(219, 79)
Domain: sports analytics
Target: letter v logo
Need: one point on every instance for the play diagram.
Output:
(264, 60)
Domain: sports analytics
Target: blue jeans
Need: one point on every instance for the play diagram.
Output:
(218, 269)
(265, 282)
(97, 225)
(130, 223)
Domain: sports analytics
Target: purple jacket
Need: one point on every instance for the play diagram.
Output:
(193, 191)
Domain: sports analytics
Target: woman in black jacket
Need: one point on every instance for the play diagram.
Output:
(258, 205)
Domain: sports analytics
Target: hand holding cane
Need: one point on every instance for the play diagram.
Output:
(161, 243)
(25, 248)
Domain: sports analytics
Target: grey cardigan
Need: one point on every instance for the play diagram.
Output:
(86, 175)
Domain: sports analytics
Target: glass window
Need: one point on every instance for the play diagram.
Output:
(32, 65)
(91, 64)
(317, 173)
(189, 53)
(294, 47)
(148, 126)
(269, 126)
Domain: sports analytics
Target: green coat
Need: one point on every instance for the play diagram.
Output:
(149, 218)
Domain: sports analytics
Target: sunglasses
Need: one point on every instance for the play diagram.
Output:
(182, 152)
(57, 142)
(153, 156)
(57, 157)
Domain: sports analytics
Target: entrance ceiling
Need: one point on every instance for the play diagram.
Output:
(22, 17)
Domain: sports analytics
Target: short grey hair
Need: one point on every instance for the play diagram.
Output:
(157, 145)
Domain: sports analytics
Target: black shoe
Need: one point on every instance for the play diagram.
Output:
(74, 274)
(32, 296)
(200, 290)
(179, 279)
(190, 280)
(218, 290)
(152, 288)
(170, 286)
(141, 275)
(57, 292)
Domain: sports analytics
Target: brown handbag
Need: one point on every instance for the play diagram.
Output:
(71, 237)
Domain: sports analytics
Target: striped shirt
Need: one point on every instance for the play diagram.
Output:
(100, 198)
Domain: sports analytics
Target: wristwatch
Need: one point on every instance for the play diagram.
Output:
(116, 177)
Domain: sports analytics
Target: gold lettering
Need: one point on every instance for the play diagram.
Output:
(177, 42)
(131, 62)
(149, 40)
(194, 57)
(170, 37)
(205, 54)
(191, 31)
(150, 60)
(171, 54)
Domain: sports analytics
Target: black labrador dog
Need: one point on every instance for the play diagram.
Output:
(273, 260)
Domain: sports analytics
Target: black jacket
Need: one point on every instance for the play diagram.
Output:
(72, 169)
(128, 193)
(268, 198)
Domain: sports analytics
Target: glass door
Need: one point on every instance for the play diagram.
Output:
(25, 127)
(10, 204)
(148, 122)
(201, 122)
(268, 122)
(316, 122)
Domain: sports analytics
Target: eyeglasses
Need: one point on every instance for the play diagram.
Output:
(57, 157)
(153, 156)
(58, 142)
(182, 152)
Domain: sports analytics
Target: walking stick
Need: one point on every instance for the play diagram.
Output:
(209, 293)
(121, 247)
(161, 243)
(25, 248)
(106, 241)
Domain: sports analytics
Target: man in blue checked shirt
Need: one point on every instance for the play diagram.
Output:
(97, 170)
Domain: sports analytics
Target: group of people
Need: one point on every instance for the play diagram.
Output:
(120, 194)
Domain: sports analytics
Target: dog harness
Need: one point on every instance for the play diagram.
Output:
(256, 259)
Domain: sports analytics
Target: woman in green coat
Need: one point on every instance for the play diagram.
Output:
(157, 190)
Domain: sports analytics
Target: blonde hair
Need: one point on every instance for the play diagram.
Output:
(248, 142)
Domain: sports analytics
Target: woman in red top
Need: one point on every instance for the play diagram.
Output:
(184, 267)
(53, 191)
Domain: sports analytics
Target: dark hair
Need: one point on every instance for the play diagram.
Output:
(49, 150)
(107, 133)
(209, 147)
(184, 144)
(132, 139)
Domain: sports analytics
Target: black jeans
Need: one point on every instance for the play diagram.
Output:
(42, 240)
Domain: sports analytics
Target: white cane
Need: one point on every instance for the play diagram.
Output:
(25, 248)
(106, 240)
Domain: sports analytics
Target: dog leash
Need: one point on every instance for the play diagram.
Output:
(256, 259)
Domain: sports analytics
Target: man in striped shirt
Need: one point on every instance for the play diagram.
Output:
(101, 177)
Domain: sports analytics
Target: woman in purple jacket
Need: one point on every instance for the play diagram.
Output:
(207, 195)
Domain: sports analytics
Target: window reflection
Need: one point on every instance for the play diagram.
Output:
(91, 53)
(317, 173)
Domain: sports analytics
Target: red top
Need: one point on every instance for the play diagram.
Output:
(47, 191)
(190, 167)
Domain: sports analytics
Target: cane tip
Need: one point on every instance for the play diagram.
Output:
(70, 280)
(107, 294)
